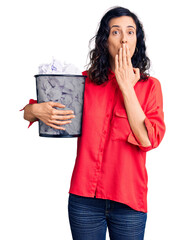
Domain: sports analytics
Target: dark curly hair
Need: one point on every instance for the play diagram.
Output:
(99, 56)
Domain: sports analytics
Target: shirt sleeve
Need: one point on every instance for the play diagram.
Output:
(31, 101)
(154, 120)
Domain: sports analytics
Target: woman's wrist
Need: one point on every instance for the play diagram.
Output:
(126, 89)
(34, 110)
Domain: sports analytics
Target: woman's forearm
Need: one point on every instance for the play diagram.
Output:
(48, 114)
(29, 113)
(136, 116)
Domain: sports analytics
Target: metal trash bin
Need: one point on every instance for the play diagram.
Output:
(68, 90)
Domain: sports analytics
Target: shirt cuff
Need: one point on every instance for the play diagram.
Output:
(31, 101)
(132, 139)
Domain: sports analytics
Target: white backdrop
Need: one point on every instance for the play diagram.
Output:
(35, 172)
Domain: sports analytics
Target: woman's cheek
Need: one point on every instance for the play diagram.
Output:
(132, 50)
(112, 51)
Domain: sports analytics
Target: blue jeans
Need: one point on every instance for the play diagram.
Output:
(90, 217)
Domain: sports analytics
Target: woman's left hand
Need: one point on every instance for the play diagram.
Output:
(124, 71)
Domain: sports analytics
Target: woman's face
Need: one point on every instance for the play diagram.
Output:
(122, 29)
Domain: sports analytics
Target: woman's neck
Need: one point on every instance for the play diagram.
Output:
(112, 64)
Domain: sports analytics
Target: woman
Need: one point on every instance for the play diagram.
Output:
(122, 120)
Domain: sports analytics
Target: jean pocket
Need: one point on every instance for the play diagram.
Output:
(120, 125)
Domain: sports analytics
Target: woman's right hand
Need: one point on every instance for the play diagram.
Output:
(52, 117)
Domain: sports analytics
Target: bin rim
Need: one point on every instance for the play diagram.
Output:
(62, 75)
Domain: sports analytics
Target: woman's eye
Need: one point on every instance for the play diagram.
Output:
(131, 32)
(115, 32)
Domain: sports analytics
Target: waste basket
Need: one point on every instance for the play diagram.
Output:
(68, 90)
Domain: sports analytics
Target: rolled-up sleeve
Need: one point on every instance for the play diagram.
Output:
(154, 120)
(31, 101)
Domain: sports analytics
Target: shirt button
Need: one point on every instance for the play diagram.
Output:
(107, 114)
(104, 132)
(101, 150)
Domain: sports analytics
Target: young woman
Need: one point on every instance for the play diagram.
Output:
(122, 120)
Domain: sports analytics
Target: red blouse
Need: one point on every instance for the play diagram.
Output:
(110, 162)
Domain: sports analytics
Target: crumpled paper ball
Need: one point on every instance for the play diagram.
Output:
(57, 67)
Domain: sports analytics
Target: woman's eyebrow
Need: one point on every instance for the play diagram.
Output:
(131, 26)
(120, 26)
(115, 26)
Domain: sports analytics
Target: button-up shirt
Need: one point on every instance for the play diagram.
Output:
(111, 162)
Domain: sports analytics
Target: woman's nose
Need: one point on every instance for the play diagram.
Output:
(123, 41)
